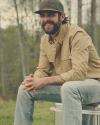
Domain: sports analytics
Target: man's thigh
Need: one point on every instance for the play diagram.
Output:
(47, 93)
(88, 90)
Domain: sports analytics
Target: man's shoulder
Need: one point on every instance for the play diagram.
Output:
(73, 29)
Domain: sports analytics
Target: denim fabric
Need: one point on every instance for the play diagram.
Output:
(76, 93)
(73, 95)
(25, 102)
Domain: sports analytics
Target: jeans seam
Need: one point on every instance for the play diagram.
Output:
(30, 114)
(78, 94)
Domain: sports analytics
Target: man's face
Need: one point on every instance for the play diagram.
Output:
(50, 22)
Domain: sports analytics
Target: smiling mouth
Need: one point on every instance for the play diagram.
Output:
(48, 24)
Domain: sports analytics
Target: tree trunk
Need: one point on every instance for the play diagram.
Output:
(69, 9)
(80, 13)
(1, 58)
(94, 24)
(20, 41)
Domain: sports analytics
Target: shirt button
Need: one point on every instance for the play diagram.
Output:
(57, 70)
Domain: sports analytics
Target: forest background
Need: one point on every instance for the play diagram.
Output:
(20, 36)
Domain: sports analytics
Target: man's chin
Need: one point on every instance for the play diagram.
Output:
(48, 32)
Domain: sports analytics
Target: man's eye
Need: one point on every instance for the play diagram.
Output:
(51, 14)
(41, 15)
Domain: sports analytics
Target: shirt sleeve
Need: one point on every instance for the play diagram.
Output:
(79, 56)
(45, 68)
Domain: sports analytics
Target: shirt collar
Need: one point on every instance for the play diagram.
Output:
(50, 39)
(60, 36)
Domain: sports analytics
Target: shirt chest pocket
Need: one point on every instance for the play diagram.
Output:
(66, 63)
(52, 60)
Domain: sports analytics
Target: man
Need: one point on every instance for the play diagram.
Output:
(69, 50)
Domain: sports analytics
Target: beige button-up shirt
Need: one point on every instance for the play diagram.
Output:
(72, 54)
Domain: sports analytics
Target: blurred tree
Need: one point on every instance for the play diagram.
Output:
(80, 13)
(11, 57)
(20, 41)
(27, 24)
(69, 9)
(94, 24)
(1, 59)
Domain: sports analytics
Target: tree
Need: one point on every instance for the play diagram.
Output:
(80, 13)
(20, 41)
(1, 59)
(94, 24)
(69, 9)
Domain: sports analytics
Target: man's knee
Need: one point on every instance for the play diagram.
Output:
(20, 89)
(66, 87)
(70, 89)
(22, 93)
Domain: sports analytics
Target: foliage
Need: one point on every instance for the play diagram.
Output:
(12, 59)
(87, 28)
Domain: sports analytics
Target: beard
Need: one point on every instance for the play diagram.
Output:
(55, 28)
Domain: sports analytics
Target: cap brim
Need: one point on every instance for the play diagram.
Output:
(38, 12)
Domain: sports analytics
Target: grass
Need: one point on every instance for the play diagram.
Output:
(42, 113)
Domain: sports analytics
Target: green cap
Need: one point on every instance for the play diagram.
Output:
(53, 5)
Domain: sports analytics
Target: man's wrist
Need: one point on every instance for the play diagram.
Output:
(45, 81)
(53, 80)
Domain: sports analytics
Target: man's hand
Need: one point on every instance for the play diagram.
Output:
(33, 83)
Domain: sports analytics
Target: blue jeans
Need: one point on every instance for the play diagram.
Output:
(72, 94)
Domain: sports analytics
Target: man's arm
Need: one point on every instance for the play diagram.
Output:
(33, 83)
(55, 80)
(45, 68)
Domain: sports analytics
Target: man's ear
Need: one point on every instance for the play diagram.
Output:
(62, 16)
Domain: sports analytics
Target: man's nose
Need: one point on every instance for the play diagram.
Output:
(46, 18)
